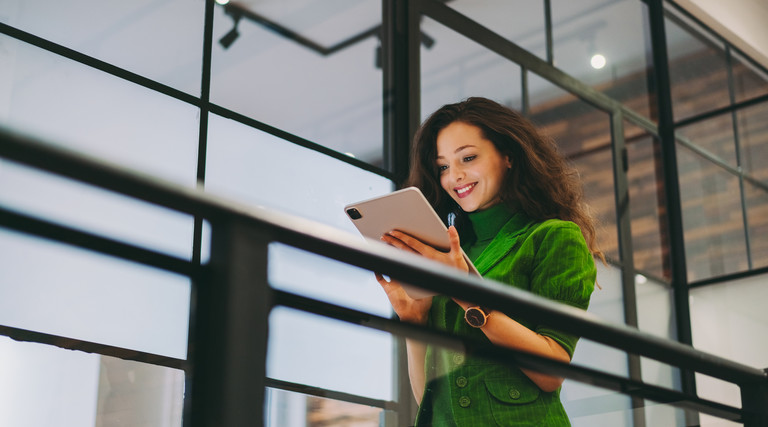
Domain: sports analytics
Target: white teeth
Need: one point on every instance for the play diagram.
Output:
(465, 189)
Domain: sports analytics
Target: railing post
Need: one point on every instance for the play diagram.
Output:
(754, 403)
(229, 331)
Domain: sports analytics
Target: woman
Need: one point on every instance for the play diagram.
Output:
(519, 215)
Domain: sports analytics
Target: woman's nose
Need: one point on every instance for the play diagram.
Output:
(457, 174)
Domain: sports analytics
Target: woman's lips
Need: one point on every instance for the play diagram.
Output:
(464, 190)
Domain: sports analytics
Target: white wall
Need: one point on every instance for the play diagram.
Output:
(742, 22)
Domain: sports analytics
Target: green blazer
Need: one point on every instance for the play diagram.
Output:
(550, 259)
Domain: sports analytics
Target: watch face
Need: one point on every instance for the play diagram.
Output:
(475, 317)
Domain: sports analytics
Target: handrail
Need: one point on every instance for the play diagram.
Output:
(331, 242)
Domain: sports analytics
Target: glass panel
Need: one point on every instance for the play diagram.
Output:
(713, 226)
(84, 109)
(327, 353)
(589, 405)
(158, 39)
(94, 210)
(646, 202)
(248, 165)
(697, 68)
(455, 68)
(756, 199)
(725, 319)
(753, 140)
(714, 136)
(57, 289)
(45, 386)
(288, 409)
(749, 80)
(139, 394)
(656, 315)
(583, 134)
(331, 98)
(521, 21)
(602, 44)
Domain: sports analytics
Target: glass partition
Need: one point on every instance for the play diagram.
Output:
(713, 225)
(256, 168)
(697, 68)
(520, 21)
(454, 68)
(749, 80)
(90, 111)
(57, 289)
(725, 321)
(158, 39)
(52, 386)
(283, 68)
(603, 44)
(646, 203)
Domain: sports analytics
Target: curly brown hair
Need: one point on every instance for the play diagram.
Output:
(541, 183)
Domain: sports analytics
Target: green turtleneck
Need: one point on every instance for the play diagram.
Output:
(487, 224)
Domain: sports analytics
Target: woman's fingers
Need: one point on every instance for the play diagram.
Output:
(398, 241)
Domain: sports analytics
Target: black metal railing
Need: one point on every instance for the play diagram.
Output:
(232, 299)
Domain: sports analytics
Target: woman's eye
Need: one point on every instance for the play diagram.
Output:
(469, 158)
(441, 168)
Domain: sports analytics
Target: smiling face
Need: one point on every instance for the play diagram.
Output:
(471, 169)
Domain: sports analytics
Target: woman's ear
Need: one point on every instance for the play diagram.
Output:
(508, 162)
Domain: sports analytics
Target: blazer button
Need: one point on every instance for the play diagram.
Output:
(514, 393)
(464, 401)
(458, 358)
(461, 381)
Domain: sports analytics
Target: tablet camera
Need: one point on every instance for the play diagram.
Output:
(354, 213)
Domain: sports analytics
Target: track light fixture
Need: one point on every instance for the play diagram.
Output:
(232, 35)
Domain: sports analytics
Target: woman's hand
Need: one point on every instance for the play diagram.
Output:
(454, 257)
(408, 309)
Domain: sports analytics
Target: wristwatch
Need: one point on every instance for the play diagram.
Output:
(477, 316)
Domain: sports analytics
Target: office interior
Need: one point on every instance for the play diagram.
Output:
(300, 107)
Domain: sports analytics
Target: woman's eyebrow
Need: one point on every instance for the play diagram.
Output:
(457, 150)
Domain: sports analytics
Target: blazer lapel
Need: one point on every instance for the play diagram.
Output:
(503, 242)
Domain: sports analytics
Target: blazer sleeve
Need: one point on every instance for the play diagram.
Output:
(563, 271)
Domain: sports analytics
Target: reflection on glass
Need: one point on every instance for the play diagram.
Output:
(756, 199)
(332, 98)
(454, 68)
(712, 217)
(603, 45)
(753, 140)
(583, 134)
(520, 21)
(749, 81)
(288, 409)
(322, 352)
(83, 109)
(646, 202)
(715, 136)
(158, 39)
(697, 68)
(45, 385)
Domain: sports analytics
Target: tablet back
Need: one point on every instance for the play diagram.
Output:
(405, 210)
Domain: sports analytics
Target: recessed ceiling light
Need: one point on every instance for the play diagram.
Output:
(222, 1)
(598, 61)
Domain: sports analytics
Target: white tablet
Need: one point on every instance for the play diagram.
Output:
(406, 210)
